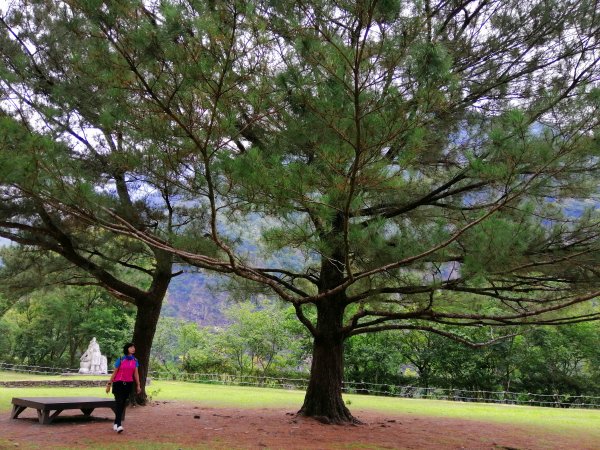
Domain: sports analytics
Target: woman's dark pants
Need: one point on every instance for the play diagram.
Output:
(121, 391)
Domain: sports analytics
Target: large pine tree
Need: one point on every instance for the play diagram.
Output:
(422, 156)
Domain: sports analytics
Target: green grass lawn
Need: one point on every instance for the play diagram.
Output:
(570, 421)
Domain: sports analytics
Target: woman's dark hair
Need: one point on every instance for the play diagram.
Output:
(126, 348)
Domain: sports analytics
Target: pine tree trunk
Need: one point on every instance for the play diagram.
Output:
(323, 399)
(146, 320)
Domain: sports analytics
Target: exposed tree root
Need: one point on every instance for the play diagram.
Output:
(338, 419)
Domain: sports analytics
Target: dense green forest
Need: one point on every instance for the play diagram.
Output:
(52, 327)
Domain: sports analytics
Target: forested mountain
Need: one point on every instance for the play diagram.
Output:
(196, 297)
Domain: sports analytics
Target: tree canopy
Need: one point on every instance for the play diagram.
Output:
(419, 158)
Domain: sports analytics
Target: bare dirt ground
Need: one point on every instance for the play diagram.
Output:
(175, 425)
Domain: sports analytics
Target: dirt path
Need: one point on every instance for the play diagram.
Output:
(174, 425)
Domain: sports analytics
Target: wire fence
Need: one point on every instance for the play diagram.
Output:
(354, 387)
(391, 390)
(37, 370)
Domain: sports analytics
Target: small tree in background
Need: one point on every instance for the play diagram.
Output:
(259, 339)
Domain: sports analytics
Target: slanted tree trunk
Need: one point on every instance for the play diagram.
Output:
(146, 319)
(323, 399)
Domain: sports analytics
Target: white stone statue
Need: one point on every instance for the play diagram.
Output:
(96, 356)
(104, 365)
(85, 362)
(92, 361)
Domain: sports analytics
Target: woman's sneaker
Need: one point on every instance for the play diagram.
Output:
(119, 429)
(115, 427)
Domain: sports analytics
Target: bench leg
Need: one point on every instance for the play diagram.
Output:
(87, 411)
(56, 413)
(16, 411)
(45, 418)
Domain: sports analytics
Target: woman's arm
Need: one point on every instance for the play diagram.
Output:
(110, 382)
(112, 378)
(136, 377)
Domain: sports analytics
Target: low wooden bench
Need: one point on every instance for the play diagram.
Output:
(50, 407)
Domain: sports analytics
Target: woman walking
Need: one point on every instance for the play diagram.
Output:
(122, 380)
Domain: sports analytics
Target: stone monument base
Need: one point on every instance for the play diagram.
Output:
(72, 374)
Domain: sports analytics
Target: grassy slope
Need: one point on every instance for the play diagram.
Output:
(568, 421)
